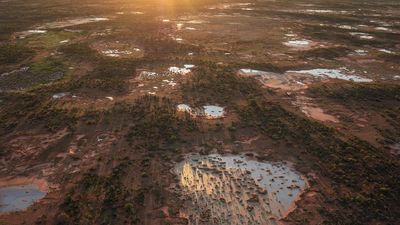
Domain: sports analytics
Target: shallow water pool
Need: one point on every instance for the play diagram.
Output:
(15, 198)
(236, 190)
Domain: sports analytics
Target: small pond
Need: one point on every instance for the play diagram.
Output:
(236, 190)
(20, 197)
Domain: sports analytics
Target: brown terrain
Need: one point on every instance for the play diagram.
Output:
(209, 112)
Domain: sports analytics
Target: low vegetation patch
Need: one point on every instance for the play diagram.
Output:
(12, 53)
(102, 200)
(154, 123)
(213, 84)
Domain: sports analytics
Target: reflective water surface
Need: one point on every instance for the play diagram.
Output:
(236, 190)
(15, 198)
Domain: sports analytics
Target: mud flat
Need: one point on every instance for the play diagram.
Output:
(236, 190)
(310, 109)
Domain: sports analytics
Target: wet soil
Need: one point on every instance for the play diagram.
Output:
(199, 112)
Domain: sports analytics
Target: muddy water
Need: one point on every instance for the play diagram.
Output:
(213, 111)
(236, 190)
(207, 111)
(332, 74)
(20, 197)
(288, 82)
(297, 80)
(179, 70)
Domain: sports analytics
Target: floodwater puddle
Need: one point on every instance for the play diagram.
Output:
(19, 193)
(288, 82)
(333, 74)
(183, 108)
(291, 35)
(179, 26)
(21, 70)
(72, 22)
(179, 70)
(361, 52)
(386, 51)
(189, 66)
(383, 29)
(362, 35)
(60, 95)
(144, 75)
(207, 111)
(325, 11)
(118, 49)
(24, 34)
(58, 24)
(137, 13)
(160, 80)
(252, 72)
(298, 43)
(171, 71)
(169, 83)
(346, 27)
(16, 198)
(224, 6)
(116, 53)
(298, 80)
(64, 41)
(236, 190)
(213, 111)
(197, 21)
(177, 39)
